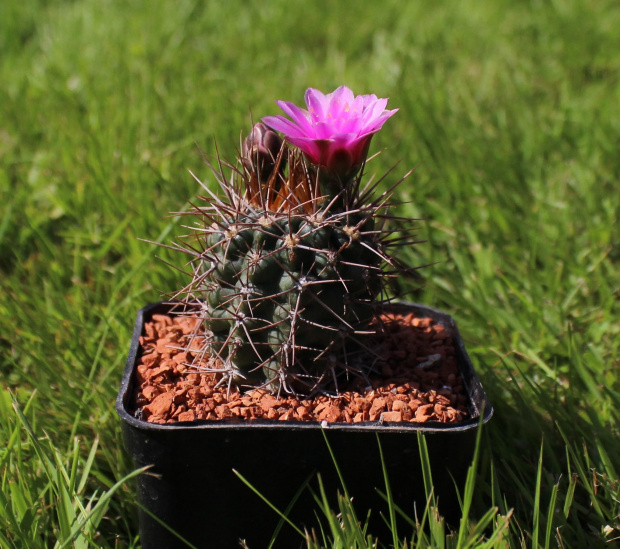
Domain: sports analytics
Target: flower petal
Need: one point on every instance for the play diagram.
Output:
(310, 147)
(351, 125)
(284, 125)
(317, 104)
(339, 101)
(356, 107)
(373, 110)
(325, 130)
(340, 94)
(299, 115)
(377, 123)
(368, 99)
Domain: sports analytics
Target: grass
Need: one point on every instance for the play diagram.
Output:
(509, 111)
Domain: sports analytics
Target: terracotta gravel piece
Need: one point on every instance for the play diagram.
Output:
(418, 381)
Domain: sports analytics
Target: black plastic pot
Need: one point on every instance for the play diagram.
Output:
(192, 489)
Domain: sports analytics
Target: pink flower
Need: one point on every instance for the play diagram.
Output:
(336, 130)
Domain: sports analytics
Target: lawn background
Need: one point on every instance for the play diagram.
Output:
(509, 110)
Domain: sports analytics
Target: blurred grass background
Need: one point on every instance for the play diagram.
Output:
(509, 112)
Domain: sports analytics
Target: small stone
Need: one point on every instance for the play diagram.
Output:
(320, 407)
(164, 347)
(268, 402)
(150, 359)
(149, 392)
(331, 414)
(378, 405)
(422, 413)
(391, 416)
(166, 320)
(399, 405)
(286, 416)
(223, 411)
(302, 413)
(361, 404)
(180, 396)
(180, 358)
(209, 405)
(187, 416)
(161, 404)
(193, 378)
(179, 410)
(151, 333)
(245, 412)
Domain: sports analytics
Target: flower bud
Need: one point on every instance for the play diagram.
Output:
(260, 151)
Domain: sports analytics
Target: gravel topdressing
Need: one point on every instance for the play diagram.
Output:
(417, 381)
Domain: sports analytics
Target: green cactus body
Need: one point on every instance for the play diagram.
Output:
(286, 291)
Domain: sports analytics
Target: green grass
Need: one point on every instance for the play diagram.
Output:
(508, 111)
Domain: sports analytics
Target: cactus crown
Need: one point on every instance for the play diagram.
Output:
(290, 265)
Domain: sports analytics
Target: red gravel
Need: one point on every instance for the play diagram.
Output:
(419, 381)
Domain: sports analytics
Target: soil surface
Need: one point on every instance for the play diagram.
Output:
(417, 381)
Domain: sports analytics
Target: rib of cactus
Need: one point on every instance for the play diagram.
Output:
(286, 291)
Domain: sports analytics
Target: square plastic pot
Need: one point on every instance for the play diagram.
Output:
(192, 490)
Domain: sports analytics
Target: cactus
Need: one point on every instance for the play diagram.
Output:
(291, 262)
